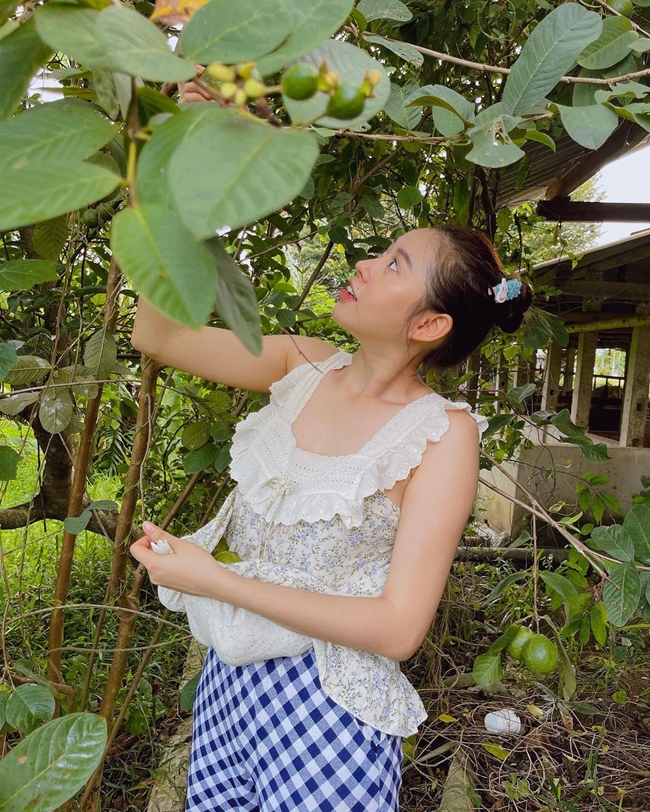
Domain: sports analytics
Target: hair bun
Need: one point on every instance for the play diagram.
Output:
(509, 315)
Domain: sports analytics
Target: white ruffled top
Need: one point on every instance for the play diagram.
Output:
(320, 523)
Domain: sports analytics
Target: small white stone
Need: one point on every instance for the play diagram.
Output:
(502, 721)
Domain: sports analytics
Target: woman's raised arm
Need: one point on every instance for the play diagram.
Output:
(218, 355)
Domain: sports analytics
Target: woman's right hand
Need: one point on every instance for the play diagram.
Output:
(191, 92)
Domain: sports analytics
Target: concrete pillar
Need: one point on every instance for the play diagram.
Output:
(583, 381)
(635, 397)
(551, 388)
(569, 369)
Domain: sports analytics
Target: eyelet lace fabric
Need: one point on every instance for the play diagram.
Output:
(318, 523)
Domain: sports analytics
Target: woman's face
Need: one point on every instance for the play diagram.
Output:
(386, 288)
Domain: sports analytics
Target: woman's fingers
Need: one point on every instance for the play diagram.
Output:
(191, 92)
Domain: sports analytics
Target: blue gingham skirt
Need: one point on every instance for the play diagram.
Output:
(268, 739)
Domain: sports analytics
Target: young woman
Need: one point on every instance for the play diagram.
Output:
(354, 486)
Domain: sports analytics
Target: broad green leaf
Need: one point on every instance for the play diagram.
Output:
(589, 126)
(153, 176)
(518, 394)
(27, 369)
(396, 109)
(100, 355)
(408, 196)
(549, 53)
(566, 589)
(487, 669)
(223, 31)
(22, 274)
(165, 262)
(501, 587)
(541, 137)
(21, 54)
(9, 460)
(352, 64)
(493, 147)
(50, 237)
(188, 692)
(55, 411)
(450, 111)
(637, 524)
(14, 404)
(612, 45)
(236, 302)
(51, 764)
(4, 696)
(496, 750)
(28, 707)
(137, 47)
(641, 45)
(260, 168)
(621, 594)
(8, 358)
(80, 378)
(614, 541)
(584, 93)
(77, 524)
(313, 22)
(200, 458)
(598, 618)
(75, 32)
(384, 10)
(502, 642)
(594, 452)
(195, 435)
(405, 51)
(103, 504)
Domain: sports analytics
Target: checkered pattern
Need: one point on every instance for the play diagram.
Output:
(268, 739)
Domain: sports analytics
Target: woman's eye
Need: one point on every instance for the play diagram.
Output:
(393, 265)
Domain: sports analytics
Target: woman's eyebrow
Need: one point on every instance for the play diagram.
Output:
(406, 257)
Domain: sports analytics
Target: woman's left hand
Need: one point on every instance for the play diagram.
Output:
(189, 569)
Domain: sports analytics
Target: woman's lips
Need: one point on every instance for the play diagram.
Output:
(347, 297)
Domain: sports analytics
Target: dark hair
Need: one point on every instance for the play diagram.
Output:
(464, 266)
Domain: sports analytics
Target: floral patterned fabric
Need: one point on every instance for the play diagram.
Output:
(319, 523)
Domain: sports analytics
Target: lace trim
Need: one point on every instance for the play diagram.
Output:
(286, 484)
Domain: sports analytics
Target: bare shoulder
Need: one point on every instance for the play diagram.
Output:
(457, 451)
(304, 349)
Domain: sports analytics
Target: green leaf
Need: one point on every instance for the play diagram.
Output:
(594, 452)
(589, 126)
(8, 358)
(77, 524)
(502, 642)
(541, 138)
(195, 435)
(496, 750)
(493, 147)
(487, 669)
(28, 707)
(4, 696)
(260, 169)
(396, 109)
(100, 355)
(75, 32)
(641, 45)
(236, 302)
(50, 237)
(55, 411)
(188, 692)
(549, 53)
(614, 541)
(21, 54)
(584, 94)
(48, 767)
(9, 460)
(352, 64)
(313, 22)
(16, 403)
(566, 589)
(612, 45)
(43, 149)
(27, 369)
(408, 196)
(103, 504)
(22, 274)
(637, 524)
(81, 379)
(621, 593)
(200, 458)
(223, 31)
(384, 10)
(501, 587)
(405, 51)
(598, 618)
(136, 46)
(518, 394)
(450, 111)
(165, 262)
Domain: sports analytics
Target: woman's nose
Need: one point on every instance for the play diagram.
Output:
(362, 268)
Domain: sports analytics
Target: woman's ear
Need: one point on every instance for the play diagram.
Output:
(429, 327)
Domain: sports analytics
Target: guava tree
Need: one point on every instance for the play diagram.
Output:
(333, 126)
